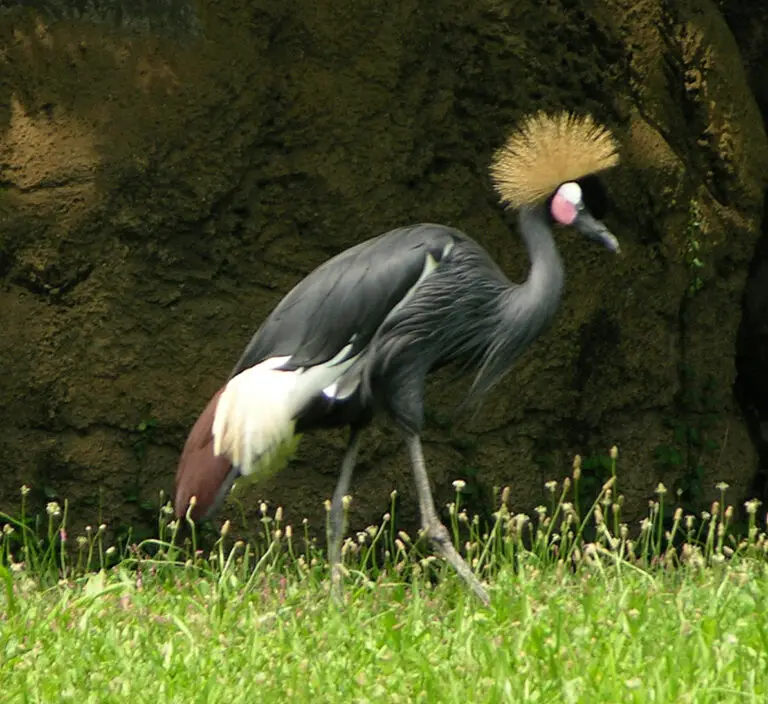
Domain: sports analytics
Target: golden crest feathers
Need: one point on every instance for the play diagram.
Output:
(547, 151)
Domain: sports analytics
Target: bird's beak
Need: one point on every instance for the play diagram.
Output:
(591, 227)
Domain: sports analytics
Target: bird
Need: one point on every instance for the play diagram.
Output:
(359, 335)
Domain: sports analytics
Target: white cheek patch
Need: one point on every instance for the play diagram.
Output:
(571, 191)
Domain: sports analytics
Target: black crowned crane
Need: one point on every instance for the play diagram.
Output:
(361, 333)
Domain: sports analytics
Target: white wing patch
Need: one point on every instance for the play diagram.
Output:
(256, 415)
(347, 384)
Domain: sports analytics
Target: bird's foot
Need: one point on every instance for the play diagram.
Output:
(441, 539)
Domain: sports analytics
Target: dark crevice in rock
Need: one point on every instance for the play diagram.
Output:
(748, 20)
(751, 387)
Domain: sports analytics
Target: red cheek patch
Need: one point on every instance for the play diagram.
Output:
(563, 211)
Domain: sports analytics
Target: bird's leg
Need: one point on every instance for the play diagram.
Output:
(431, 524)
(336, 519)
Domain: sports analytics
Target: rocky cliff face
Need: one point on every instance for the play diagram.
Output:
(168, 174)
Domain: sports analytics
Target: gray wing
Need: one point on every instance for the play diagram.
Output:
(347, 297)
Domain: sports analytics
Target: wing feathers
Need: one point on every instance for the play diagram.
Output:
(348, 295)
(200, 473)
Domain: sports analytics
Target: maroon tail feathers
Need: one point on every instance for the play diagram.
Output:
(200, 473)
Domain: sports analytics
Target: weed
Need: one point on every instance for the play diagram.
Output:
(584, 607)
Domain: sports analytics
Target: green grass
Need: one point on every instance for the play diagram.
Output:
(675, 614)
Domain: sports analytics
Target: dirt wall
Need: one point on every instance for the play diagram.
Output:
(167, 174)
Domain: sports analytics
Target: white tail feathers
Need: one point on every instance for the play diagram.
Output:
(256, 415)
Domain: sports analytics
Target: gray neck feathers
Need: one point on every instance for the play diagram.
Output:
(544, 286)
(524, 312)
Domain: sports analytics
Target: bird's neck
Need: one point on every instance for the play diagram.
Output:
(545, 281)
